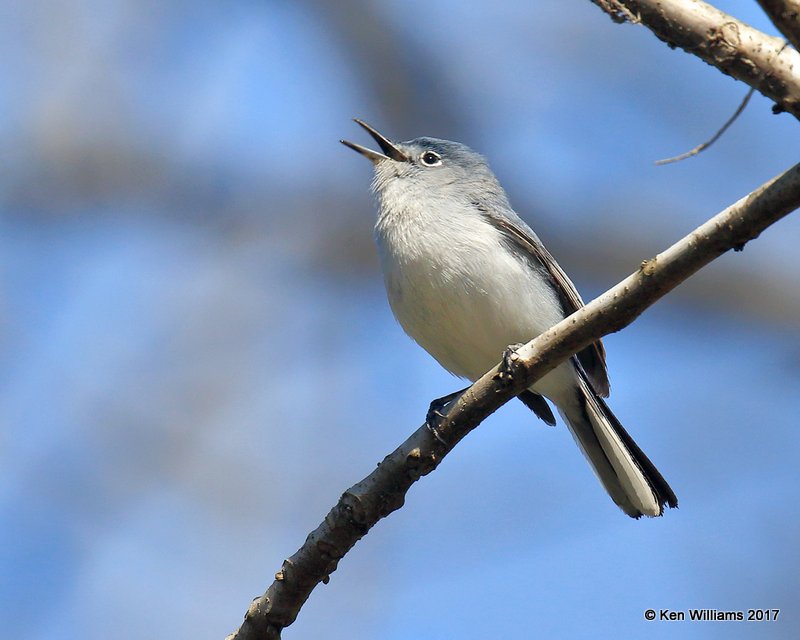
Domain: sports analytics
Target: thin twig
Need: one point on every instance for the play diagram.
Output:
(705, 145)
(730, 121)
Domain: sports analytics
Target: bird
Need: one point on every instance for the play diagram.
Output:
(466, 277)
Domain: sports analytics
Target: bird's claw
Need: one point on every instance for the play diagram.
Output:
(508, 363)
(434, 416)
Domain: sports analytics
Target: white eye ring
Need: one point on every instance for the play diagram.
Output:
(430, 159)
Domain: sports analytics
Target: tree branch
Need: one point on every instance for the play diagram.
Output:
(785, 15)
(735, 48)
(384, 490)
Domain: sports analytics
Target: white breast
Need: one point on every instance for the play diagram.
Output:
(458, 291)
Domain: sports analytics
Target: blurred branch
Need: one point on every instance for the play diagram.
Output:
(785, 15)
(384, 490)
(735, 48)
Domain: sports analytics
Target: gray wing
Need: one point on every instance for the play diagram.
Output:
(523, 241)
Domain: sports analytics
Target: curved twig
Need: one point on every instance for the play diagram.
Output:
(705, 145)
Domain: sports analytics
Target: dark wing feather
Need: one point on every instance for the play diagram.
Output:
(593, 357)
(539, 406)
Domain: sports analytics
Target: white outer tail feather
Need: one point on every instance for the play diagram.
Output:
(610, 458)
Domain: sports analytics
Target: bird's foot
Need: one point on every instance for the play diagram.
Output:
(508, 363)
(434, 416)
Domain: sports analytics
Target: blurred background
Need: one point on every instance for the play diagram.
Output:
(197, 358)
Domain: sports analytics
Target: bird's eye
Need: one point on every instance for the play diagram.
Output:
(430, 159)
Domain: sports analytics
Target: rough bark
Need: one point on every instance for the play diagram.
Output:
(764, 62)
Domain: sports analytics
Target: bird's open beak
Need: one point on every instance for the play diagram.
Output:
(387, 146)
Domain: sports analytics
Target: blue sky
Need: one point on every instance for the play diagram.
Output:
(198, 358)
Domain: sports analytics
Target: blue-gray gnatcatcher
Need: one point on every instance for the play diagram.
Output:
(466, 277)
